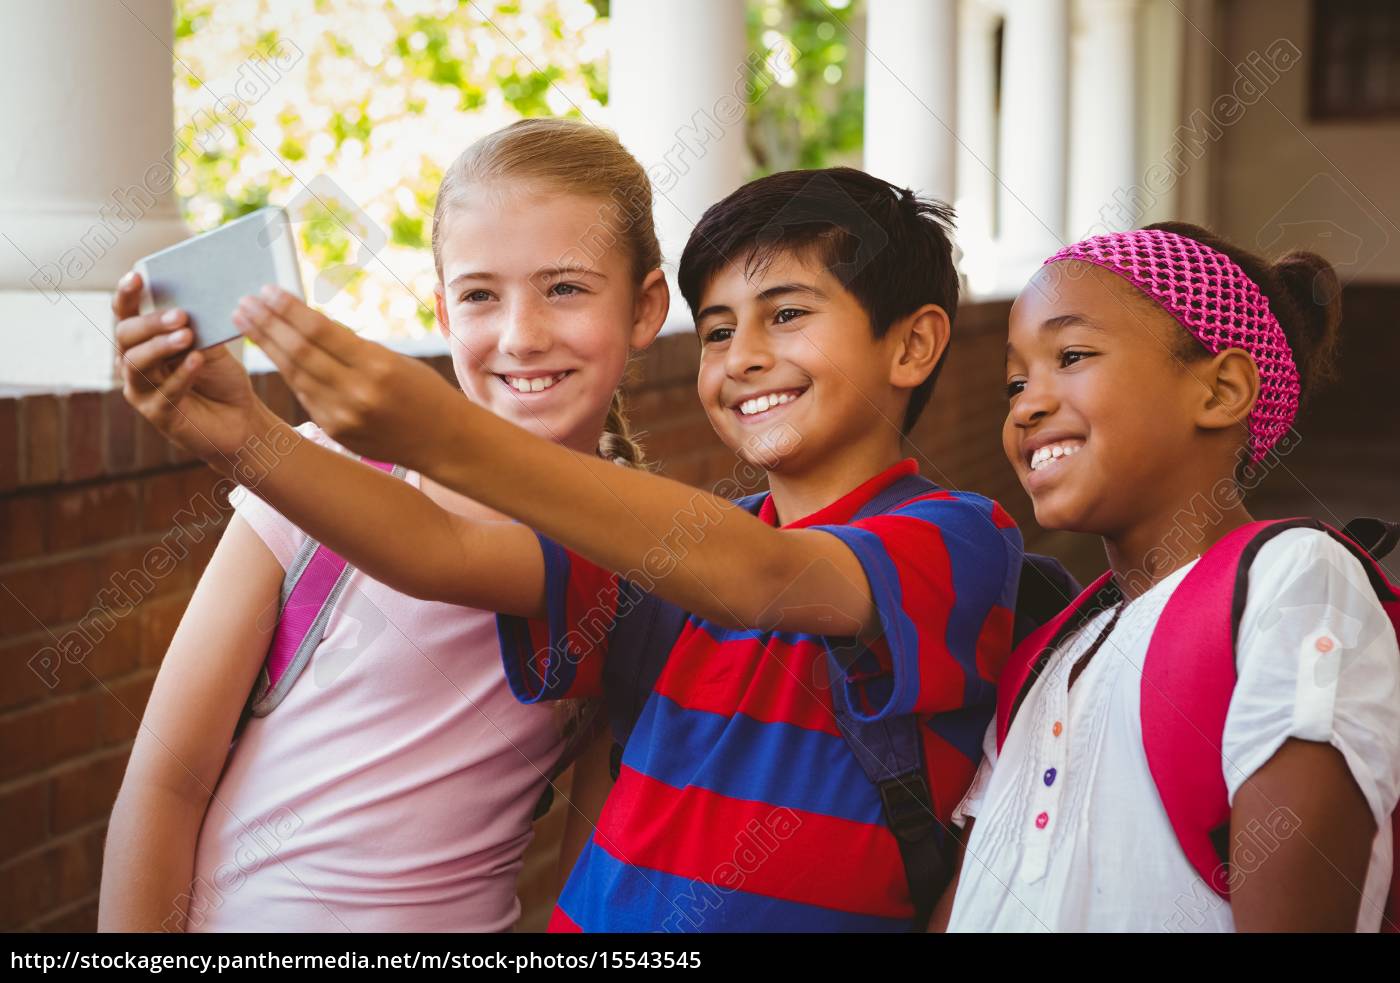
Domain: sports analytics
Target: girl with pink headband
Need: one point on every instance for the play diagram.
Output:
(1209, 737)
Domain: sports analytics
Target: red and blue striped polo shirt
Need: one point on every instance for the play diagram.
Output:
(739, 806)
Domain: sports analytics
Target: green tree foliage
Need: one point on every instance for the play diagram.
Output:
(814, 116)
(376, 97)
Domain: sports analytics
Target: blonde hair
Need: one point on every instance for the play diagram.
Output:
(576, 158)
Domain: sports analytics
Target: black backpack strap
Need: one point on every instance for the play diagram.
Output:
(1376, 536)
(1045, 589)
(891, 753)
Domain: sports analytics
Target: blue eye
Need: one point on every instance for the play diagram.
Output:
(565, 289)
(476, 296)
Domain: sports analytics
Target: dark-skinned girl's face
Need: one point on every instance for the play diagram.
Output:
(1101, 426)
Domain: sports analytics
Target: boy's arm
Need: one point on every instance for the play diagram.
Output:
(1306, 799)
(391, 531)
(697, 550)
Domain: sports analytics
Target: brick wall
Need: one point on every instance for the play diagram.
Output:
(104, 530)
(89, 495)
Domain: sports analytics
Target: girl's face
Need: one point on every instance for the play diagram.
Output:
(1101, 429)
(540, 306)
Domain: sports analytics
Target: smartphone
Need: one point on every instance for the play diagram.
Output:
(205, 276)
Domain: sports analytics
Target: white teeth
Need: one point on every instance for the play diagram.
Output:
(1048, 455)
(537, 384)
(760, 404)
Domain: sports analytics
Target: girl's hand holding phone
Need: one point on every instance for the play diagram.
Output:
(376, 402)
(202, 401)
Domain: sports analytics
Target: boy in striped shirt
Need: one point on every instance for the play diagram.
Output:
(823, 301)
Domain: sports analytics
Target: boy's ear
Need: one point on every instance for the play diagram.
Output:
(921, 339)
(649, 313)
(440, 308)
(1231, 386)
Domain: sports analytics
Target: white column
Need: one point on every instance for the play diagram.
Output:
(1105, 192)
(1198, 191)
(87, 176)
(1034, 135)
(679, 79)
(910, 94)
(977, 148)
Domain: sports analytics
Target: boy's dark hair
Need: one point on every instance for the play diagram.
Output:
(888, 246)
(1304, 294)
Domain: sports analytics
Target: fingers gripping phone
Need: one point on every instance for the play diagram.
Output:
(205, 276)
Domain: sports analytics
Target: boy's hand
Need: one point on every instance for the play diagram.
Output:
(201, 400)
(374, 401)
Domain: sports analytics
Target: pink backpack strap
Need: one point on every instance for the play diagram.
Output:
(1188, 679)
(1029, 658)
(1188, 676)
(310, 590)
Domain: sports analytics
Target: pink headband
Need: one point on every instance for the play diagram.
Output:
(1216, 302)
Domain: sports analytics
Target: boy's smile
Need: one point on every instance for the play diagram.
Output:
(766, 405)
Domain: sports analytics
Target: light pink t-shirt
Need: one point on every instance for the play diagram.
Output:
(392, 789)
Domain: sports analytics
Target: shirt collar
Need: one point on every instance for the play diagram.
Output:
(840, 511)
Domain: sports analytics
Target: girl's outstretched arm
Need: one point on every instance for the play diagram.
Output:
(696, 549)
(1301, 833)
(393, 532)
(184, 738)
(203, 401)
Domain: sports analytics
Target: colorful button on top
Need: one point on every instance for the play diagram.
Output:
(1324, 644)
(1050, 774)
(1041, 820)
(1058, 729)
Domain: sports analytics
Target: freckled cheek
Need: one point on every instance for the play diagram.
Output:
(470, 364)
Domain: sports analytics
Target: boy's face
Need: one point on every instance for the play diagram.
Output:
(790, 369)
(1092, 372)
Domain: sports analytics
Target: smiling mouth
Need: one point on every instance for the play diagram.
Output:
(758, 407)
(1051, 455)
(533, 384)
